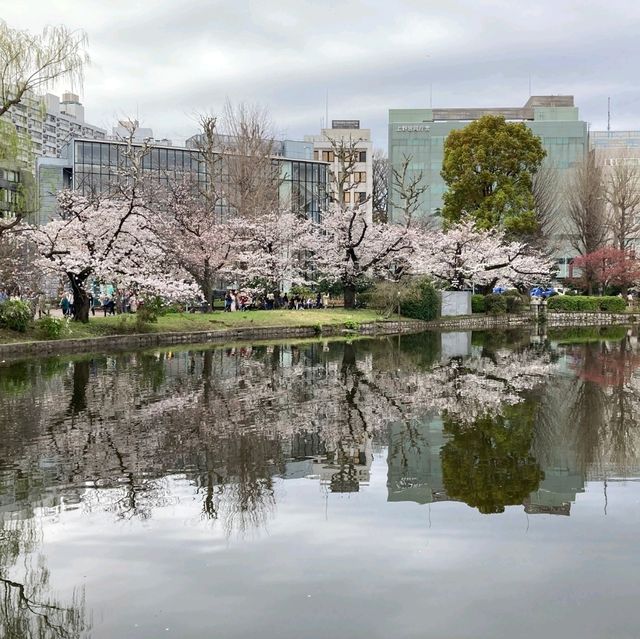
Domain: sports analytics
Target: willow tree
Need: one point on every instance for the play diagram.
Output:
(32, 63)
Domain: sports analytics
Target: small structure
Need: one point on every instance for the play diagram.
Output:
(455, 303)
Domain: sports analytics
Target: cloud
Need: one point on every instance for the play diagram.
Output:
(167, 62)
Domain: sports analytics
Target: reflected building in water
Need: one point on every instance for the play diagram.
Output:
(415, 470)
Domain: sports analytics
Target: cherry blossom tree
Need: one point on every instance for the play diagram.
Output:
(109, 240)
(348, 247)
(273, 249)
(194, 240)
(464, 256)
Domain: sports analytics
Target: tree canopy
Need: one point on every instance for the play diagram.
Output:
(488, 168)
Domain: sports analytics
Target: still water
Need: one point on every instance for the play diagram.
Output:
(439, 485)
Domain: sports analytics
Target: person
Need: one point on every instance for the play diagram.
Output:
(227, 301)
(234, 300)
(630, 299)
(285, 301)
(325, 300)
(42, 305)
(65, 304)
(91, 305)
(319, 300)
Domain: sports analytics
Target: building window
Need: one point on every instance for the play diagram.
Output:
(362, 156)
(316, 155)
(347, 197)
(327, 156)
(362, 197)
(359, 176)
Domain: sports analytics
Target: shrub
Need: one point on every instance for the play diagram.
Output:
(516, 302)
(149, 310)
(384, 296)
(15, 314)
(421, 301)
(613, 304)
(51, 327)
(582, 303)
(495, 304)
(477, 304)
(418, 299)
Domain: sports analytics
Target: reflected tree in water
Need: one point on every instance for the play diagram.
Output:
(27, 609)
(489, 465)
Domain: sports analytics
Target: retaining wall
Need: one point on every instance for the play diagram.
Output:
(484, 322)
(145, 340)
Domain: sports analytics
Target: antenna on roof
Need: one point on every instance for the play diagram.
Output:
(326, 121)
(608, 115)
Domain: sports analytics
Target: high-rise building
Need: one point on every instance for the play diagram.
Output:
(348, 132)
(45, 125)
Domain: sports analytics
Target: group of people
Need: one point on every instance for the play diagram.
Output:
(241, 301)
(110, 304)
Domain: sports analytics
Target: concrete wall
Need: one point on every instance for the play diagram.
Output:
(455, 303)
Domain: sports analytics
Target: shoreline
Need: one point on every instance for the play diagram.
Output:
(131, 341)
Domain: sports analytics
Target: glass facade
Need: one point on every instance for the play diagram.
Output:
(99, 166)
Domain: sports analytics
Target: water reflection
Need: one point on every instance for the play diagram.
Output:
(490, 420)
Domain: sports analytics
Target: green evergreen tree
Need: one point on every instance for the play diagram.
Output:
(488, 168)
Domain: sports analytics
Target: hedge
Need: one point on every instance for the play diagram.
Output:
(477, 304)
(495, 304)
(581, 303)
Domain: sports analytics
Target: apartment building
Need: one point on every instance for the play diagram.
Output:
(45, 124)
(360, 188)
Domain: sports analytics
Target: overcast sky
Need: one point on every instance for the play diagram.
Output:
(167, 60)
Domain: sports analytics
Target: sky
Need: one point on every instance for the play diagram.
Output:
(167, 61)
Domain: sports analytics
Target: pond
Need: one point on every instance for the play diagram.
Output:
(450, 485)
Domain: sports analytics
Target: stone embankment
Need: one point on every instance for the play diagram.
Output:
(145, 340)
(552, 319)
(465, 323)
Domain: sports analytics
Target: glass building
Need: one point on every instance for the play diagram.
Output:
(91, 166)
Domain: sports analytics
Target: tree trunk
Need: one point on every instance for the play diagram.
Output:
(208, 294)
(349, 296)
(80, 298)
(207, 285)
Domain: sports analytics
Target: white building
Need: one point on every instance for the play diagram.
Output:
(349, 132)
(46, 123)
(140, 134)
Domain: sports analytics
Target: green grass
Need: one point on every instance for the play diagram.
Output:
(188, 322)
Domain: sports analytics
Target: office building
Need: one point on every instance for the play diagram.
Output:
(419, 134)
(91, 166)
(349, 133)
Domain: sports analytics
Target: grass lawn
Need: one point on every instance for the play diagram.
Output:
(218, 320)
